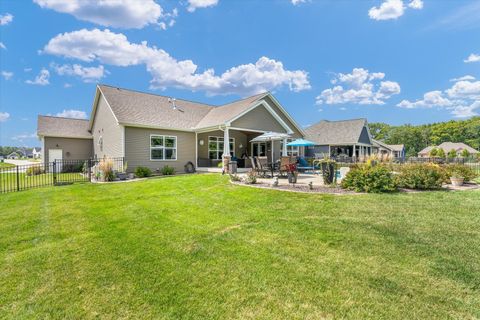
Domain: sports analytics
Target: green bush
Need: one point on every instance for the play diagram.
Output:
(142, 172)
(373, 179)
(459, 171)
(168, 171)
(422, 176)
(452, 154)
(34, 170)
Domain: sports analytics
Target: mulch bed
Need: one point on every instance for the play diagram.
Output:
(300, 188)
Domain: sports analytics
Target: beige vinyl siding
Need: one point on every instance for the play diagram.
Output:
(296, 133)
(137, 149)
(105, 125)
(240, 139)
(259, 119)
(72, 148)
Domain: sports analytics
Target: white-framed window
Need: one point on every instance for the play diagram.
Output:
(291, 151)
(163, 147)
(215, 147)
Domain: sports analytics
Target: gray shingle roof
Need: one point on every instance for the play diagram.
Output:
(393, 147)
(62, 127)
(457, 146)
(336, 132)
(145, 109)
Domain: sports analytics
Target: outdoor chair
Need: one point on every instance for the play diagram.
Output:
(262, 165)
(303, 165)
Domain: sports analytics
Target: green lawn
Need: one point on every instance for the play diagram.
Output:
(197, 247)
(6, 165)
(8, 180)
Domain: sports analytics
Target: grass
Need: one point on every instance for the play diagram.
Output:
(6, 165)
(196, 247)
(8, 180)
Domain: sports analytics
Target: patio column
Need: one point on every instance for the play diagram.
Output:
(226, 149)
(284, 149)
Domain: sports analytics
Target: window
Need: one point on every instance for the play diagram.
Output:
(215, 147)
(100, 143)
(291, 151)
(163, 147)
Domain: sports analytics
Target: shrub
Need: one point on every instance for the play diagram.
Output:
(220, 164)
(452, 154)
(34, 170)
(433, 152)
(168, 171)
(71, 167)
(251, 177)
(441, 153)
(235, 178)
(367, 178)
(142, 172)
(106, 168)
(465, 153)
(421, 176)
(459, 171)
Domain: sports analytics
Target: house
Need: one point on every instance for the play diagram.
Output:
(447, 147)
(14, 155)
(383, 150)
(36, 153)
(154, 131)
(345, 138)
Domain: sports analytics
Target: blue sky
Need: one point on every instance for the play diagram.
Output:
(396, 61)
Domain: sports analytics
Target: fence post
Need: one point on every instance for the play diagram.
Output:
(18, 180)
(89, 168)
(54, 172)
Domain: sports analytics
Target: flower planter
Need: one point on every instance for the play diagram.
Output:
(328, 172)
(292, 177)
(456, 182)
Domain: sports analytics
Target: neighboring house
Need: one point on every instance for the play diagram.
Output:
(447, 147)
(14, 155)
(153, 131)
(345, 138)
(388, 150)
(37, 153)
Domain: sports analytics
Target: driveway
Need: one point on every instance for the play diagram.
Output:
(20, 162)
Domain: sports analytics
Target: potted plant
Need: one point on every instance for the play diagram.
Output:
(292, 173)
(327, 167)
(457, 180)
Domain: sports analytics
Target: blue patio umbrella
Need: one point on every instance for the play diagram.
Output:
(301, 143)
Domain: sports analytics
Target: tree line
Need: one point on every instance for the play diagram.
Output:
(416, 138)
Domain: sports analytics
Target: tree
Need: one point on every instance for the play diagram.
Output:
(452, 154)
(465, 153)
(433, 152)
(441, 153)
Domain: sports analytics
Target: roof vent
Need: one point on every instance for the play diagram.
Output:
(172, 102)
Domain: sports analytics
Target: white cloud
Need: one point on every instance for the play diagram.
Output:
(416, 4)
(2, 46)
(25, 136)
(195, 4)
(461, 100)
(87, 74)
(67, 85)
(467, 78)
(5, 19)
(465, 89)
(393, 9)
(41, 79)
(76, 114)
(110, 13)
(472, 58)
(115, 49)
(295, 2)
(359, 87)
(4, 116)
(7, 75)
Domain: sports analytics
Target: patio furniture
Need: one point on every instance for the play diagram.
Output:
(303, 165)
(285, 162)
(263, 166)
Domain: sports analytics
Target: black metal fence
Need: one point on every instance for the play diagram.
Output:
(59, 172)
